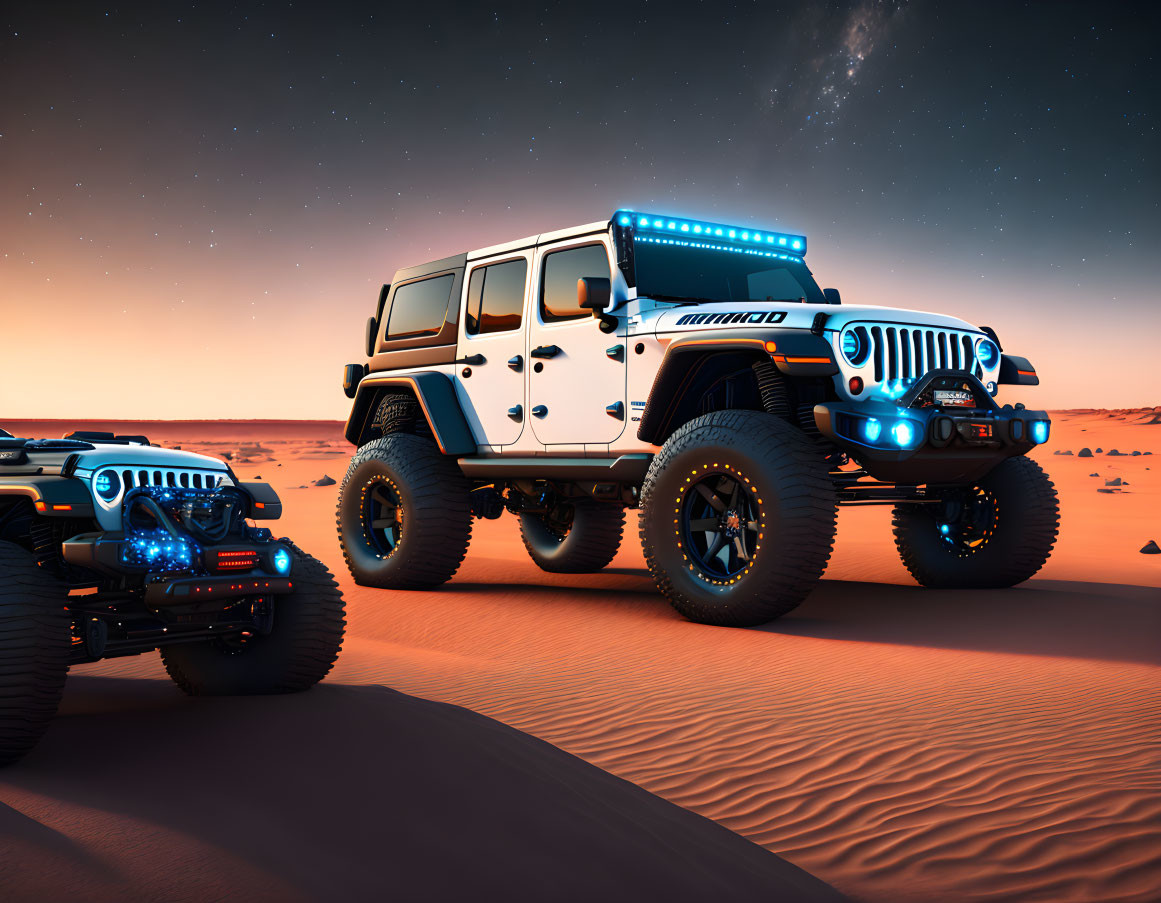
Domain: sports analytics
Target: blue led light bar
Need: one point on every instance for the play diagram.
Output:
(696, 229)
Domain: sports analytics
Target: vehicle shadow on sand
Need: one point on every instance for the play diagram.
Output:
(1103, 621)
(349, 792)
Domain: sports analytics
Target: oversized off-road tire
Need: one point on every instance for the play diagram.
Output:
(34, 650)
(578, 537)
(302, 645)
(404, 514)
(996, 533)
(737, 518)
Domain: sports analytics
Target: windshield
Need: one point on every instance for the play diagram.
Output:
(675, 272)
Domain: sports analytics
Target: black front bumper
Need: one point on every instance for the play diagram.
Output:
(211, 581)
(948, 444)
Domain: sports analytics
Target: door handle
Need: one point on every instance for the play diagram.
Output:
(474, 359)
(540, 411)
(616, 353)
(516, 363)
(545, 351)
(616, 410)
(516, 412)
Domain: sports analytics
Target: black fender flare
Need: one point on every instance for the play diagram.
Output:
(794, 352)
(1016, 371)
(437, 399)
(52, 496)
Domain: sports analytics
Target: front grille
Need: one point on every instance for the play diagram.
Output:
(901, 352)
(177, 478)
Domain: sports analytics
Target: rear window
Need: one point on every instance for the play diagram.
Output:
(419, 308)
(496, 297)
(562, 269)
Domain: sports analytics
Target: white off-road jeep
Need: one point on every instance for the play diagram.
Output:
(695, 371)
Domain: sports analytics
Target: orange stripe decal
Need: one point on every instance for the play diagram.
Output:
(1026, 372)
(809, 360)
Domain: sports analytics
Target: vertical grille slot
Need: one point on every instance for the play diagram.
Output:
(877, 353)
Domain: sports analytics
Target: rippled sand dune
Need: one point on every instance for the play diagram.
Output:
(898, 743)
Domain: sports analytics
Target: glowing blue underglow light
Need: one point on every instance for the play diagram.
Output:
(872, 429)
(903, 433)
(1039, 431)
(895, 388)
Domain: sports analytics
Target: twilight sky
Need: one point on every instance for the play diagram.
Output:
(198, 203)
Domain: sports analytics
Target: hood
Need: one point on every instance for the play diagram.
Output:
(144, 456)
(797, 316)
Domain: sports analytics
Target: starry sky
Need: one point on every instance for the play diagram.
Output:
(198, 202)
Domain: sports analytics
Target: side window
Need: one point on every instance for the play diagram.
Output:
(496, 297)
(562, 269)
(419, 308)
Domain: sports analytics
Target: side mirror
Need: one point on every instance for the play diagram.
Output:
(832, 296)
(592, 293)
(372, 332)
(352, 374)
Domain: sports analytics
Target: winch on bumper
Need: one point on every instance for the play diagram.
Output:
(946, 428)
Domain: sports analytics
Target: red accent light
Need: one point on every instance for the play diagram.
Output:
(237, 559)
(856, 385)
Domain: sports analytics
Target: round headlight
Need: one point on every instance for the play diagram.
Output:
(987, 353)
(282, 561)
(856, 346)
(107, 485)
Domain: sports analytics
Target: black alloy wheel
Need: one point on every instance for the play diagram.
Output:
(721, 525)
(383, 514)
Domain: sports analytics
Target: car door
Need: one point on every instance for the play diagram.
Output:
(491, 379)
(576, 383)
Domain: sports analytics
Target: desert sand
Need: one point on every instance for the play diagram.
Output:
(897, 743)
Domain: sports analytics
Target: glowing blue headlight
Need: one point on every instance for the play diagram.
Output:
(987, 353)
(1039, 431)
(282, 561)
(107, 485)
(872, 429)
(856, 346)
(903, 432)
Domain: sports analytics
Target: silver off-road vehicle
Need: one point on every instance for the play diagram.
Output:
(697, 372)
(110, 546)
